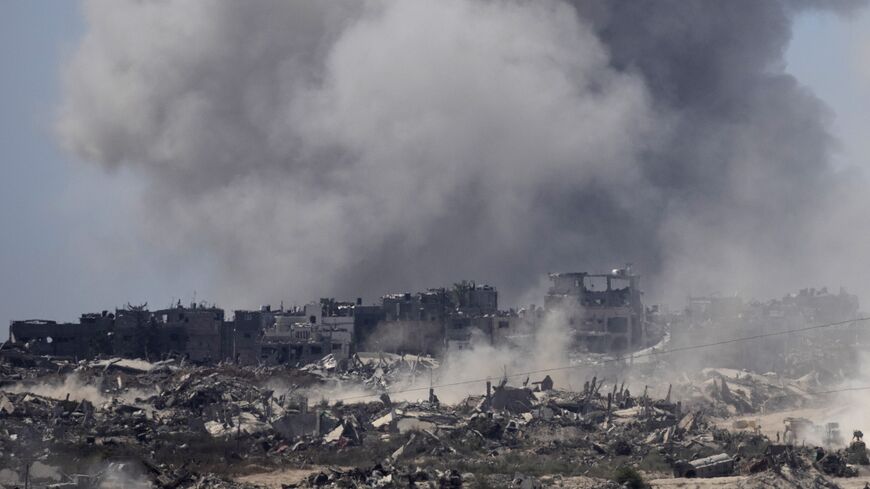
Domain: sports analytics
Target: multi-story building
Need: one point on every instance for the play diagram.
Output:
(133, 332)
(603, 311)
(304, 335)
(97, 334)
(242, 337)
(44, 337)
(195, 331)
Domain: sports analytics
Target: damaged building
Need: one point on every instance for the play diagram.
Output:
(713, 318)
(604, 311)
(440, 319)
(307, 334)
(242, 336)
(193, 332)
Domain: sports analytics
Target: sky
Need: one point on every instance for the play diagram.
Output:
(831, 55)
(55, 211)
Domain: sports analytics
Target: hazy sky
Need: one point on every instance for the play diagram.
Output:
(831, 55)
(55, 211)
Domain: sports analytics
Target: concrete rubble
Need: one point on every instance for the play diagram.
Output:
(288, 397)
(175, 425)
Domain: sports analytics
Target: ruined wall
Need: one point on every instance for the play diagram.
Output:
(243, 334)
(98, 329)
(407, 336)
(604, 311)
(365, 323)
(203, 327)
(133, 335)
(275, 351)
(49, 337)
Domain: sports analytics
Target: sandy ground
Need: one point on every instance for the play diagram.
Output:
(697, 483)
(772, 423)
(845, 483)
(274, 479)
(855, 482)
(579, 482)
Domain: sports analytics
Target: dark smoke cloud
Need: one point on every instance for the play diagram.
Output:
(346, 147)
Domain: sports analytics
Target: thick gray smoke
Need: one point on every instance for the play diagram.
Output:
(351, 147)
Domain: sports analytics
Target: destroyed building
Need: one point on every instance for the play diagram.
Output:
(133, 331)
(46, 337)
(440, 319)
(242, 335)
(194, 331)
(604, 311)
(425, 322)
(303, 335)
(88, 338)
(413, 323)
(821, 306)
(262, 414)
(714, 318)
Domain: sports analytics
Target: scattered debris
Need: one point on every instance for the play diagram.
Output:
(177, 424)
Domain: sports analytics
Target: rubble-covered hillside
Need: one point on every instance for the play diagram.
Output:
(131, 423)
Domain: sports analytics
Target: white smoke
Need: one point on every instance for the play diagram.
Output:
(348, 148)
(464, 372)
(305, 154)
(76, 388)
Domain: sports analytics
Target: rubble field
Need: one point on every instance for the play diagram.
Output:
(130, 423)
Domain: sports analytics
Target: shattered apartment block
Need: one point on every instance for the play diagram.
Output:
(134, 334)
(605, 319)
(194, 331)
(242, 336)
(307, 334)
(441, 319)
(44, 337)
(821, 306)
(413, 323)
(474, 315)
(90, 337)
(604, 311)
(713, 318)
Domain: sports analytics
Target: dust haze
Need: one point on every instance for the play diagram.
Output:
(351, 148)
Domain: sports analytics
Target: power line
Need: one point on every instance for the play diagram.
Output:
(642, 355)
(844, 389)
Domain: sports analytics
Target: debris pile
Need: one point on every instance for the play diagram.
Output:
(377, 371)
(170, 424)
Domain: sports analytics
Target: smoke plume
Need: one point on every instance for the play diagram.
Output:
(354, 147)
